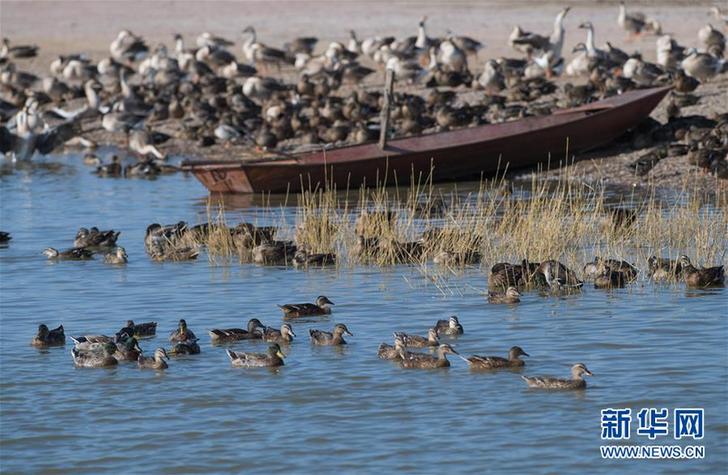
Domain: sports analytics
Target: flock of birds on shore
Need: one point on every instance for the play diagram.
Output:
(214, 97)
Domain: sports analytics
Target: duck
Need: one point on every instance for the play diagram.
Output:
(276, 253)
(45, 337)
(503, 275)
(417, 341)
(319, 337)
(700, 278)
(642, 72)
(662, 269)
(450, 258)
(511, 296)
(497, 362)
(283, 336)
(139, 330)
(273, 358)
(321, 307)
(391, 352)
(17, 51)
(669, 53)
(237, 334)
(111, 169)
(683, 83)
(175, 255)
(426, 361)
(304, 259)
(702, 66)
(546, 382)
(5, 237)
(182, 333)
(90, 342)
(127, 348)
(100, 356)
(187, 347)
(598, 264)
(609, 279)
(156, 362)
(558, 276)
(73, 254)
(95, 238)
(118, 256)
(449, 327)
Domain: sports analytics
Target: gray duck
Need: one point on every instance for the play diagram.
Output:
(417, 341)
(319, 337)
(426, 361)
(321, 307)
(283, 336)
(273, 358)
(497, 362)
(511, 296)
(156, 362)
(546, 382)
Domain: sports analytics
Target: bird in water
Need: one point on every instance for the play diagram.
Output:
(46, 337)
(427, 361)
(253, 331)
(578, 371)
(73, 254)
(155, 362)
(117, 256)
(336, 337)
(700, 278)
(511, 296)
(498, 362)
(449, 327)
(321, 307)
(417, 341)
(274, 357)
(182, 333)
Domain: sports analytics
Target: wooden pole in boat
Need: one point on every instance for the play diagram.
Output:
(384, 120)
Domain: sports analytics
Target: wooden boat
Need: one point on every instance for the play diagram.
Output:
(453, 155)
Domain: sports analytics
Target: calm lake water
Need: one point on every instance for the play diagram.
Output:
(327, 410)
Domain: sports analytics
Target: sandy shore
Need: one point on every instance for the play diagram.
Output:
(72, 26)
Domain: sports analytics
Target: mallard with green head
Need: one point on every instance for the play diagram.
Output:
(127, 348)
(511, 296)
(283, 336)
(155, 362)
(427, 361)
(320, 337)
(449, 327)
(497, 362)
(99, 356)
(321, 307)
(704, 277)
(254, 332)
(274, 357)
(46, 337)
(182, 333)
(417, 341)
(546, 382)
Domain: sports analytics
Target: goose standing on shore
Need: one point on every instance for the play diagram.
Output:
(713, 40)
(632, 24)
(702, 66)
(127, 47)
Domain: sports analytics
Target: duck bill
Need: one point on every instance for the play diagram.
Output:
(523, 353)
(589, 373)
(349, 333)
(280, 355)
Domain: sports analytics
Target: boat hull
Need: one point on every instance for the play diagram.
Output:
(446, 156)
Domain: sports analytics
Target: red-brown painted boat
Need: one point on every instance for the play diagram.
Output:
(449, 156)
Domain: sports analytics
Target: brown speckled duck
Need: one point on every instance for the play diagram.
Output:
(705, 277)
(558, 276)
(511, 296)
(503, 275)
(155, 362)
(100, 356)
(545, 382)
(662, 269)
(497, 362)
(321, 307)
(73, 254)
(391, 352)
(45, 337)
(283, 336)
(226, 335)
(274, 357)
(427, 361)
(449, 327)
(182, 333)
(319, 337)
(417, 341)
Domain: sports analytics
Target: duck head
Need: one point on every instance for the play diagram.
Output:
(274, 350)
(323, 302)
(182, 326)
(512, 292)
(286, 329)
(43, 331)
(254, 324)
(445, 349)
(50, 252)
(432, 335)
(515, 352)
(453, 322)
(684, 261)
(160, 354)
(340, 329)
(579, 370)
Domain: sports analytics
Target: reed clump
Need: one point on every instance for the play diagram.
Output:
(446, 232)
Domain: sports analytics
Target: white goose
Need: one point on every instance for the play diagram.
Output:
(702, 66)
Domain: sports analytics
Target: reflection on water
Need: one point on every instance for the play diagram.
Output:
(332, 409)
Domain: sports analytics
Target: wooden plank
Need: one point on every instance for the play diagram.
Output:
(384, 121)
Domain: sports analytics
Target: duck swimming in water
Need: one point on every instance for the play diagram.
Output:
(274, 357)
(321, 307)
(545, 382)
(127, 348)
(188, 347)
(46, 337)
(74, 254)
(117, 257)
(449, 327)
(283, 336)
(155, 362)
(511, 296)
(700, 278)
(139, 330)
(391, 352)
(417, 341)
(558, 276)
(253, 332)
(319, 337)
(426, 361)
(497, 362)
(100, 356)
(95, 238)
(662, 269)
(182, 333)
